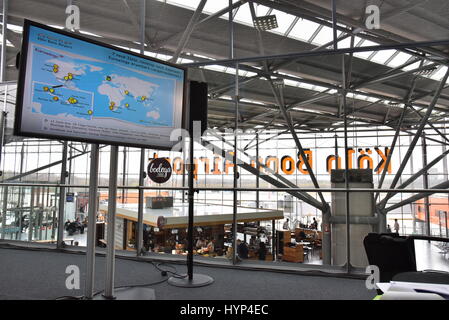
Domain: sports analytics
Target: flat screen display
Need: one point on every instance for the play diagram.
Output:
(74, 88)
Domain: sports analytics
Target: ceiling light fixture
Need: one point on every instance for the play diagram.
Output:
(265, 23)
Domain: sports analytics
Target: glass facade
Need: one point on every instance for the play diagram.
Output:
(30, 213)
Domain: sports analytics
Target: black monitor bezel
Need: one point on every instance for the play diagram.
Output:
(21, 86)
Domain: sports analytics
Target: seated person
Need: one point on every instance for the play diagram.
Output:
(242, 249)
(211, 246)
(201, 243)
(302, 235)
(229, 253)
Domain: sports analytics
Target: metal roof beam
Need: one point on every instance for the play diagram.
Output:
(188, 31)
(416, 137)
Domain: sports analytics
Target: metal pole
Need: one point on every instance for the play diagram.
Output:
(390, 153)
(445, 172)
(91, 222)
(258, 171)
(124, 174)
(62, 194)
(112, 206)
(426, 184)
(273, 239)
(188, 31)
(191, 199)
(31, 219)
(234, 160)
(141, 192)
(5, 208)
(347, 202)
(4, 31)
(38, 213)
(336, 152)
(334, 23)
(2, 128)
(439, 188)
(445, 223)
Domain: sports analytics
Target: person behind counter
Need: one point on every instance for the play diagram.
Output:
(242, 249)
(211, 246)
(262, 252)
(314, 224)
(201, 243)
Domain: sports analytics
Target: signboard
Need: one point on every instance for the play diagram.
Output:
(70, 196)
(159, 170)
(74, 88)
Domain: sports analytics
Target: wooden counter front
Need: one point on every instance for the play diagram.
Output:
(293, 254)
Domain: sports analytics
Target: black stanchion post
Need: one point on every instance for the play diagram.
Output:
(197, 91)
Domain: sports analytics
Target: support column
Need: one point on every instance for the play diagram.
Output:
(110, 237)
(326, 245)
(91, 222)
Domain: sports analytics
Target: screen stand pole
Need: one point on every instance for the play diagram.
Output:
(62, 200)
(191, 280)
(139, 240)
(128, 293)
(112, 206)
(91, 222)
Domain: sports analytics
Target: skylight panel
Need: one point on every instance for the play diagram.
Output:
(291, 83)
(215, 68)
(325, 35)
(262, 10)
(383, 56)
(439, 74)
(412, 66)
(214, 6)
(163, 56)
(400, 59)
(14, 27)
(242, 73)
(303, 30)
(190, 4)
(345, 43)
(244, 15)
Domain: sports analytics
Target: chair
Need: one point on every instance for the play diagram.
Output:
(394, 255)
(391, 253)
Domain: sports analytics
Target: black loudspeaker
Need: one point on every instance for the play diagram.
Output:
(18, 60)
(197, 104)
